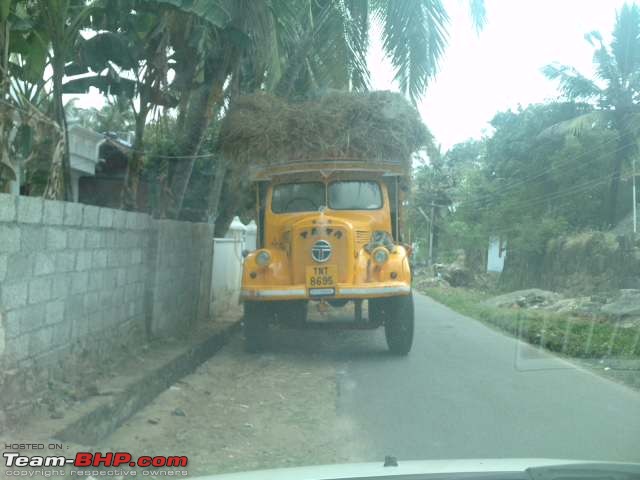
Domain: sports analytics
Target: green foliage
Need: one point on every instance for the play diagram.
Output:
(116, 116)
(191, 57)
(567, 335)
(521, 184)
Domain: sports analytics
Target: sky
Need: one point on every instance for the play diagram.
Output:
(499, 68)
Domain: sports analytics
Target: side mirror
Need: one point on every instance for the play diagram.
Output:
(245, 252)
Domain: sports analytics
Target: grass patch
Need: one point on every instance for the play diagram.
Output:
(568, 335)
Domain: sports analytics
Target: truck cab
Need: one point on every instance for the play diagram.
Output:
(328, 232)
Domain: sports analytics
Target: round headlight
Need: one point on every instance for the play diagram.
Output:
(380, 255)
(263, 258)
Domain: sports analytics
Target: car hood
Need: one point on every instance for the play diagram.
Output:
(404, 468)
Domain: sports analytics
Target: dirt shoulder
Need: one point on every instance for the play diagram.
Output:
(243, 412)
(235, 412)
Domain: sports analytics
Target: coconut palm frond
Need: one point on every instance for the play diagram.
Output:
(478, 12)
(595, 39)
(625, 45)
(573, 84)
(606, 67)
(414, 34)
(359, 34)
(576, 126)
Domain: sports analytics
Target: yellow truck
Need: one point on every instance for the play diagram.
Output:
(329, 232)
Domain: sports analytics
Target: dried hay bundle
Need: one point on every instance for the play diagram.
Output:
(372, 126)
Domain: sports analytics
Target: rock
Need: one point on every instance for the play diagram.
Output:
(530, 298)
(153, 421)
(57, 415)
(457, 275)
(178, 412)
(627, 304)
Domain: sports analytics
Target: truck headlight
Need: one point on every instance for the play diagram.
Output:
(263, 258)
(380, 255)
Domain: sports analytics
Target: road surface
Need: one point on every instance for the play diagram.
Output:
(465, 391)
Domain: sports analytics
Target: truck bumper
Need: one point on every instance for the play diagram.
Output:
(300, 292)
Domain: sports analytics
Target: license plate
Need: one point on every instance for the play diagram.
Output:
(321, 280)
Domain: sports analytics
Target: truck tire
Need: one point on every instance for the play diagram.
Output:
(257, 316)
(397, 315)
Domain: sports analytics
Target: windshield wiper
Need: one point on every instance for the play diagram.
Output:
(587, 471)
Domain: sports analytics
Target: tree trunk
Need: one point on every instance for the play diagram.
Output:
(202, 107)
(625, 148)
(55, 182)
(59, 182)
(216, 191)
(129, 199)
(7, 170)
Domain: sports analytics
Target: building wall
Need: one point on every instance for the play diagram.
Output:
(496, 255)
(76, 276)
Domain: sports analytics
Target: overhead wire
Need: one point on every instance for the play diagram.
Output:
(541, 199)
(493, 197)
(506, 188)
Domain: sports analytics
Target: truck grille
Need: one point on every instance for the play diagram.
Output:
(362, 238)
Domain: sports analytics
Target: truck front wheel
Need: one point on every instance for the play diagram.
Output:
(257, 316)
(398, 317)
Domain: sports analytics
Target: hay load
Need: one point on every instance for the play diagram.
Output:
(373, 126)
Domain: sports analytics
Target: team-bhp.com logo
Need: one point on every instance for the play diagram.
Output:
(97, 459)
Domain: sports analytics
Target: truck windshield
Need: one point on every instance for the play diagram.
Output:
(298, 197)
(355, 195)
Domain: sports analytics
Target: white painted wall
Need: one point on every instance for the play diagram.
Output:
(496, 254)
(226, 273)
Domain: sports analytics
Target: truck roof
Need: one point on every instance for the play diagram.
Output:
(327, 167)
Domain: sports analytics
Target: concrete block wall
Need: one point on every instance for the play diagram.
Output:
(79, 276)
(180, 280)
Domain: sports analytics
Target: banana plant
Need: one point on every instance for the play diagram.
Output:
(128, 58)
(23, 58)
(60, 22)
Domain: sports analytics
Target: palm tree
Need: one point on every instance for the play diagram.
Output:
(293, 47)
(615, 91)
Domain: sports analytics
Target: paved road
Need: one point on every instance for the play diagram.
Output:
(465, 391)
(468, 391)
